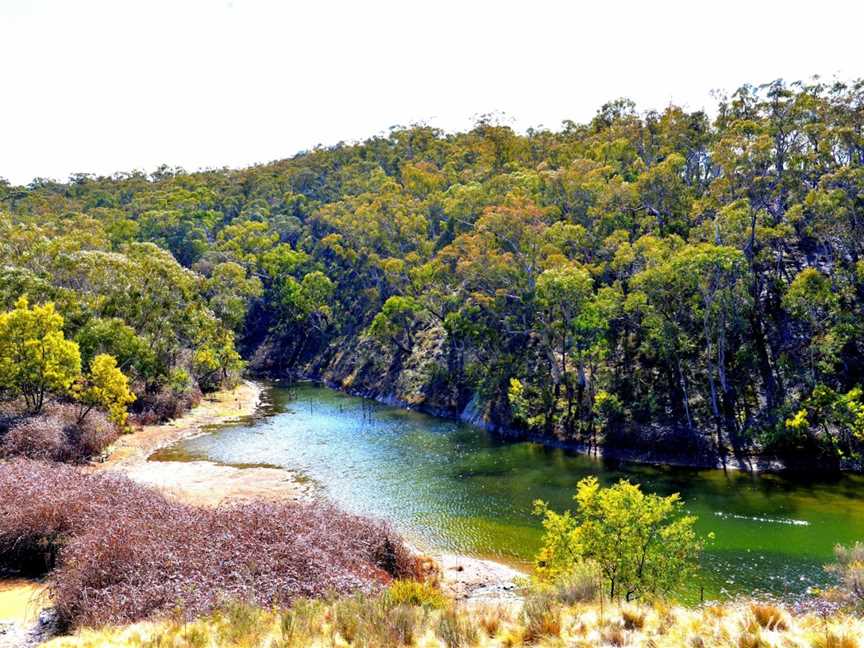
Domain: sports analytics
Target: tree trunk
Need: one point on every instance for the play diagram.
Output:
(686, 396)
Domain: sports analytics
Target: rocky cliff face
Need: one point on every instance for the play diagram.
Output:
(367, 368)
(421, 380)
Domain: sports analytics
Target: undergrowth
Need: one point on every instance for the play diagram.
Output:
(118, 552)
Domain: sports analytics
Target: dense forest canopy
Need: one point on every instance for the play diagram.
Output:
(666, 269)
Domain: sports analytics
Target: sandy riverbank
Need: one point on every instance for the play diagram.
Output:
(202, 482)
(220, 407)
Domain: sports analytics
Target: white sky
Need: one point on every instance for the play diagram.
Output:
(103, 86)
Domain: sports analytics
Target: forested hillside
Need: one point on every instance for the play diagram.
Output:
(648, 279)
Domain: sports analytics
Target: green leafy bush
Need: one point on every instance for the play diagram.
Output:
(641, 544)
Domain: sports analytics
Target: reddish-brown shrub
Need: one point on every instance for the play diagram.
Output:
(164, 405)
(145, 417)
(92, 435)
(8, 415)
(121, 552)
(57, 435)
(36, 437)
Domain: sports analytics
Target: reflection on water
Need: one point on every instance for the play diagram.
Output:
(453, 487)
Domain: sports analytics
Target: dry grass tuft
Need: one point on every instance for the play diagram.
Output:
(491, 618)
(633, 617)
(300, 623)
(369, 620)
(578, 586)
(831, 639)
(769, 616)
(456, 629)
(614, 635)
(541, 616)
(751, 640)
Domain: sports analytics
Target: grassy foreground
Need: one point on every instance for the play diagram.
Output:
(385, 621)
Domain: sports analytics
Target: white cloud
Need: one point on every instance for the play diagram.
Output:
(102, 86)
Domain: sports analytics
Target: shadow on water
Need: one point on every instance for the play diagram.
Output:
(453, 487)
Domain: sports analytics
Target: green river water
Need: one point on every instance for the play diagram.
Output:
(453, 487)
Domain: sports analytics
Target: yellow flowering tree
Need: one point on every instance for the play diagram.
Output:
(35, 357)
(107, 387)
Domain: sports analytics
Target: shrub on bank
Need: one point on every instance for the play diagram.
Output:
(414, 593)
(165, 404)
(36, 437)
(119, 552)
(849, 570)
(57, 434)
(642, 544)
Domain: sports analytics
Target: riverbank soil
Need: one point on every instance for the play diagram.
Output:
(21, 602)
(202, 483)
(219, 407)
(473, 580)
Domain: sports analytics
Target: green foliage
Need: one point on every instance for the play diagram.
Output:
(35, 357)
(641, 544)
(607, 406)
(519, 401)
(37, 362)
(127, 298)
(179, 380)
(840, 415)
(811, 298)
(309, 298)
(114, 337)
(810, 295)
(393, 323)
(246, 241)
(229, 291)
(215, 360)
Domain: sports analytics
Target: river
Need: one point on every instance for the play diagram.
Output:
(453, 487)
